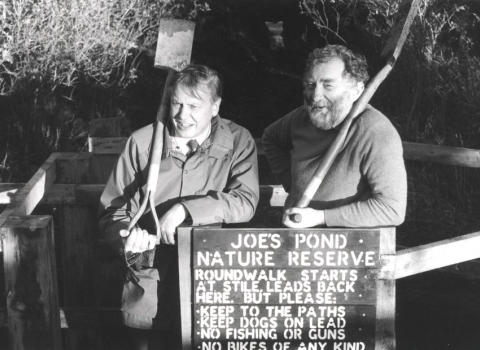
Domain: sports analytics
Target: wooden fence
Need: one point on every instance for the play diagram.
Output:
(60, 275)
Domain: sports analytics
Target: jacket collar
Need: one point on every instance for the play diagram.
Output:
(220, 141)
(219, 144)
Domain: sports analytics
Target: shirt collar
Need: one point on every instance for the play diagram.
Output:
(181, 142)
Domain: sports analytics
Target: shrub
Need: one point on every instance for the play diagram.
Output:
(63, 63)
(432, 96)
(63, 42)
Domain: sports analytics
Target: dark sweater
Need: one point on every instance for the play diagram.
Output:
(366, 185)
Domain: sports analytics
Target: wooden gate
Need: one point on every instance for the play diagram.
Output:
(59, 274)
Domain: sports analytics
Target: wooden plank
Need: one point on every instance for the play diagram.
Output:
(31, 282)
(91, 317)
(108, 127)
(435, 255)
(387, 241)
(78, 237)
(30, 195)
(272, 195)
(101, 167)
(243, 284)
(79, 267)
(82, 318)
(385, 324)
(185, 266)
(109, 135)
(414, 151)
(74, 168)
(440, 154)
(387, 253)
(364, 285)
(26, 198)
(323, 248)
(57, 194)
(106, 145)
(358, 324)
(8, 190)
(89, 194)
(85, 168)
(78, 246)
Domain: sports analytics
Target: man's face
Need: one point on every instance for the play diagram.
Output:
(192, 115)
(328, 95)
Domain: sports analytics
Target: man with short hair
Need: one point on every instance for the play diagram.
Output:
(208, 175)
(366, 185)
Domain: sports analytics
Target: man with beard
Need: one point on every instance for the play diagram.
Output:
(366, 185)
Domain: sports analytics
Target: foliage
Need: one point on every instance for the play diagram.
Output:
(432, 95)
(439, 61)
(63, 63)
(62, 42)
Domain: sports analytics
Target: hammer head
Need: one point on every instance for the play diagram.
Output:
(174, 44)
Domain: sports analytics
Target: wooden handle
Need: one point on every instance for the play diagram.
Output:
(155, 159)
(296, 218)
(338, 142)
(157, 143)
(392, 50)
(139, 213)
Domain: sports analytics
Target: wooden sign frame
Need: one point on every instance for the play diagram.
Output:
(385, 280)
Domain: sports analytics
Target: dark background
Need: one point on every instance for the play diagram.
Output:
(430, 97)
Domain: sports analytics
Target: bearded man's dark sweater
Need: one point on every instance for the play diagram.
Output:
(367, 183)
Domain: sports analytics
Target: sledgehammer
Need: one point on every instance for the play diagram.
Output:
(174, 49)
(398, 34)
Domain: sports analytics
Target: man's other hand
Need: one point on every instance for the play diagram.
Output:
(310, 217)
(170, 221)
(138, 240)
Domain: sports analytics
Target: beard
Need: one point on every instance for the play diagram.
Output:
(327, 114)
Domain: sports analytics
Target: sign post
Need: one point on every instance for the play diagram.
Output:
(280, 289)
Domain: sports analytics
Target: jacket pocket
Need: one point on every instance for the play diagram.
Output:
(139, 295)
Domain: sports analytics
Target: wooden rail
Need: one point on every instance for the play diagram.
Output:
(413, 151)
(271, 195)
(32, 192)
(73, 183)
(432, 256)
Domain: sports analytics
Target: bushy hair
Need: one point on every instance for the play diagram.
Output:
(195, 77)
(355, 64)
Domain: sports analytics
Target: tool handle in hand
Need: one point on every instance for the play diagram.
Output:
(148, 199)
(140, 212)
(296, 218)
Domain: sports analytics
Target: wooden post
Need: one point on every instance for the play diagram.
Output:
(413, 151)
(276, 261)
(185, 265)
(30, 195)
(31, 283)
(436, 255)
(77, 240)
(385, 335)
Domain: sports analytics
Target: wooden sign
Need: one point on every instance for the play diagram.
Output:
(279, 289)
